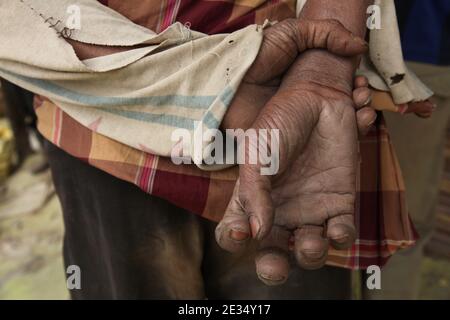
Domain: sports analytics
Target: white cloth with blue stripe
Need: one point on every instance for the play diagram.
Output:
(174, 80)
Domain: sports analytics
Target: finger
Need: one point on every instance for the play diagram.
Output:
(365, 118)
(272, 259)
(298, 35)
(233, 231)
(362, 97)
(361, 81)
(256, 201)
(383, 101)
(328, 34)
(423, 109)
(341, 231)
(311, 248)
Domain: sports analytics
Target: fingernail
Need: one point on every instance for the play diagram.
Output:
(403, 108)
(368, 100)
(361, 41)
(372, 122)
(344, 238)
(370, 126)
(254, 226)
(238, 235)
(313, 254)
(272, 278)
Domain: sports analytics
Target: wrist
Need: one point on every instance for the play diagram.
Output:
(319, 67)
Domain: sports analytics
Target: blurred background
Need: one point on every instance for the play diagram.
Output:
(31, 227)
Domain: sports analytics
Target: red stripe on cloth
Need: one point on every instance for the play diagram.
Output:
(169, 13)
(212, 17)
(188, 192)
(369, 224)
(146, 172)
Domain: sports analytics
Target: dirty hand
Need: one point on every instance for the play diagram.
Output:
(312, 195)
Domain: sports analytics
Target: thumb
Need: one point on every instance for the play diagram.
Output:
(327, 34)
(285, 40)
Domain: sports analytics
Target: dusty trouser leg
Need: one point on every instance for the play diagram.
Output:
(419, 144)
(233, 276)
(128, 244)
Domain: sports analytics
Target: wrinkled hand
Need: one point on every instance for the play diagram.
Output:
(281, 46)
(313, 194)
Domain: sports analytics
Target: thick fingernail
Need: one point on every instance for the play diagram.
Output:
(368, 100)
(238, 235)
(360, 41)
(313, 255)
(372, 122)
(342, 236)
(341, 239)
(271, 280)
(273, 268)
(403, 108)
(254, 226)
(312, 260)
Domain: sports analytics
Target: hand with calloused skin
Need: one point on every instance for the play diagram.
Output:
(312, 196)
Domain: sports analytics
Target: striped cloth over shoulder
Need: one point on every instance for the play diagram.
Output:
(139, 96)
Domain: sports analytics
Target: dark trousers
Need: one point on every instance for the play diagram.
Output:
(131, 245)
